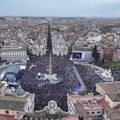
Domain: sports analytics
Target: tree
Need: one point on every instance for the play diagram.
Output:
(95, 53)
(102, 61)
(106, 29)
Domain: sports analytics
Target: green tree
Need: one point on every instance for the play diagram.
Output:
(106, 29)
(95, 53)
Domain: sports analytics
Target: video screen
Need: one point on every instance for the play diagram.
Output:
(77, 55)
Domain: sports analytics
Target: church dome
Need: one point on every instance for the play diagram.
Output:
(20, 92)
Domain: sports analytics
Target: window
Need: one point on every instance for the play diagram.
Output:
(7, 112)
(92, 112)
(28, 108)
(88, 113)
(98, 112)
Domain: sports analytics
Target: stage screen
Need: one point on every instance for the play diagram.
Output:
(77, 55)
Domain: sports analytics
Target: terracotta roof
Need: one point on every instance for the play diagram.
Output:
(104, 104)
(79, 108)
(6, 117)
(113, 114)
(71, 118)
(110, 86)
(112, 89)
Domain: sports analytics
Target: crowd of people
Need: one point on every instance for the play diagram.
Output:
(45, 91)
(89, 76)
(116, 73)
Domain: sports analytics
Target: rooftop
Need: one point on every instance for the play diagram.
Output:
(13, 49)
(104, 104)
(113, 114)
(12, 105)
(78, 48)
(6, 117)
(110, 87)
(11, 102)
(76, 97)
(92, 105)
(114, 96)
(86, 102)
(71, 117)
(13, 69)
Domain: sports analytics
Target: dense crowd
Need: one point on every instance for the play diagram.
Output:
(116, 73)
(89, 76)
(45, 91)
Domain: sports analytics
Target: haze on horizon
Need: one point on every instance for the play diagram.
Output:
(60, 8)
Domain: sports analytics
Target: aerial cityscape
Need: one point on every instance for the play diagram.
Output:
(59, 65)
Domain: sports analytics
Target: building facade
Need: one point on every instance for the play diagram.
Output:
(59, 46)
(13, 53)
(116, 55)
(111, 101)
(50, 112)
(85, 106)
(81, 54)
(14, 104)
(37, 47)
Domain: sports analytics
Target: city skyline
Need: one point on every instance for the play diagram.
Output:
(61, 8)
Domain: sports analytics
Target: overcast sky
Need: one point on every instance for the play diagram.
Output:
(68, 8)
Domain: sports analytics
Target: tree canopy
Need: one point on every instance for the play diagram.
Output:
(95, 53)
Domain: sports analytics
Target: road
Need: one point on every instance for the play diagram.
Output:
(49, 42)
(80, 79)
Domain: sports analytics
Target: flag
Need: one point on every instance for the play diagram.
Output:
(31, 67)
